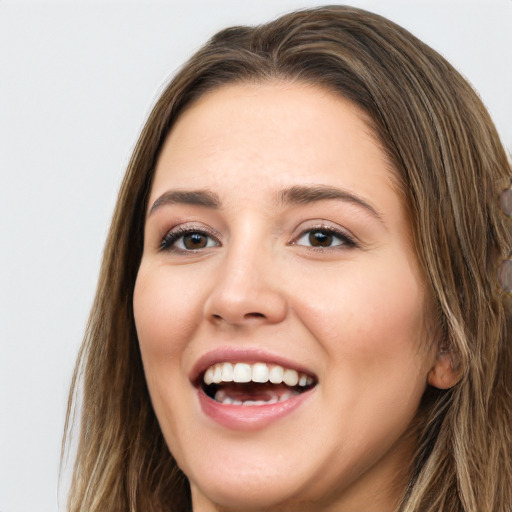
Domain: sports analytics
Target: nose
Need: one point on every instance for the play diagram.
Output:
(246, 291)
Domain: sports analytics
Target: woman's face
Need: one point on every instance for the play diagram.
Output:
(276, 247)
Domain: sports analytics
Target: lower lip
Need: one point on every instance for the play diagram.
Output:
(249, 417)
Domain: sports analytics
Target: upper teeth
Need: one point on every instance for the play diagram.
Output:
(257, 372)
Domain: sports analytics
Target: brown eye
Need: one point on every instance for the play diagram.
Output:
(195, 241)
(325, 238)
(183, 240)
(318, 238)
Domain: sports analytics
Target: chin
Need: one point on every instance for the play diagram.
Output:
(247, 493)
(275, 480)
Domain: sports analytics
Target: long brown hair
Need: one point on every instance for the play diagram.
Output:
(451, 168)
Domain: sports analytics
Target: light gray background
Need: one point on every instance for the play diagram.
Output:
(76, 82)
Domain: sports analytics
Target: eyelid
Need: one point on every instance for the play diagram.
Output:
(172, 235)
(175, 233)
(348, 241)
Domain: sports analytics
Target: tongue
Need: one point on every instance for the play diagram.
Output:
(254, 391)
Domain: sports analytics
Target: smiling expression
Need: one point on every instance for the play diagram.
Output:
(277, 245)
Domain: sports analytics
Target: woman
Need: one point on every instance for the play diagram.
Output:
(297, 308)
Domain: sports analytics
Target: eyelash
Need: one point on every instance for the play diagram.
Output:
(172, 237)
(345, 241)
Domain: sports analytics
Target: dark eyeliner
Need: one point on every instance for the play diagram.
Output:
(347, 241)
(173, 235)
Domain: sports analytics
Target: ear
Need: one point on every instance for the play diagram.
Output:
(443, 375)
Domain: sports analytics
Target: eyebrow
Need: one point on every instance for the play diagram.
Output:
(295, 195)
(204, 198)
(306, 194)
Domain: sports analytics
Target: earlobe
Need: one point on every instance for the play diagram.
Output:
(443, 375)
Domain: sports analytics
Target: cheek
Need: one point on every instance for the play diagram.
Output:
(166, 310)
(370, 319)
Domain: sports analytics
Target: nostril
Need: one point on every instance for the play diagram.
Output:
(254, 315)
(246, 317)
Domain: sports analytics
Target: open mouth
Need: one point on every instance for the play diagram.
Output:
(253, 384)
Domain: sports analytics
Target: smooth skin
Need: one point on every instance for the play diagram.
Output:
(332, 284)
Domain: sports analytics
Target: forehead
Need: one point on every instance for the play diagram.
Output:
(266, 136)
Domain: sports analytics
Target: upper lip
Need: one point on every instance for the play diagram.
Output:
(239, 355)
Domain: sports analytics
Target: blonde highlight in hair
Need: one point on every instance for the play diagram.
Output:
(450, 167)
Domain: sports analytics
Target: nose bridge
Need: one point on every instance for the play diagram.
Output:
(245, 287)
